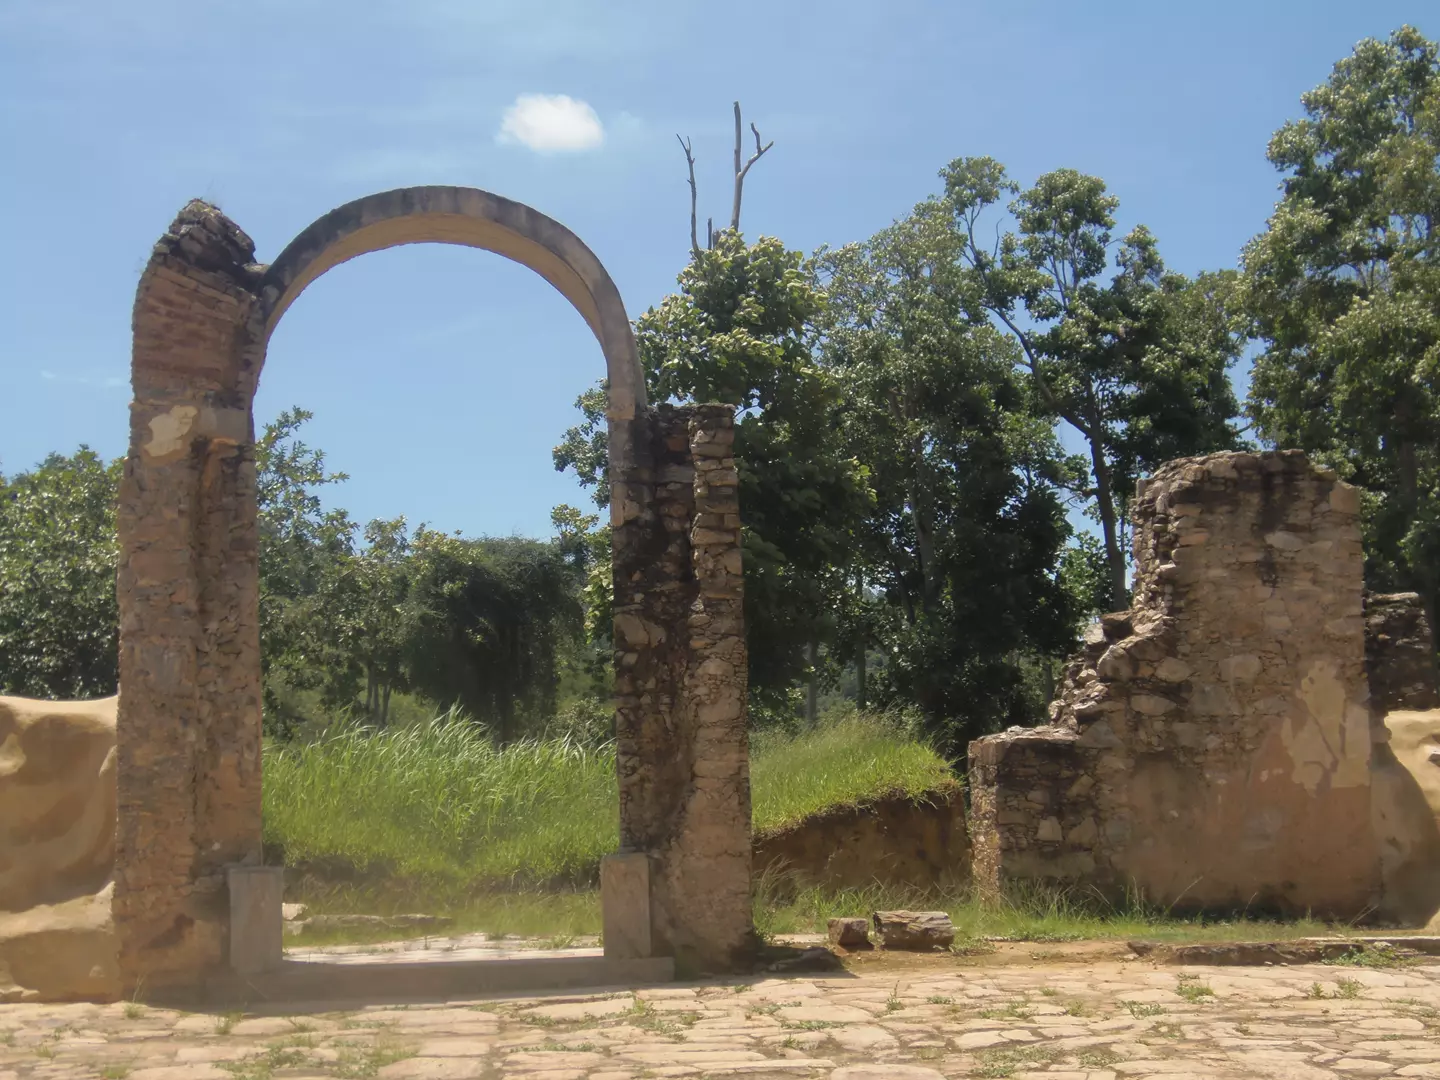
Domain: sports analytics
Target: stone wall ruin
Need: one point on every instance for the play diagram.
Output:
(188, 727)
(1210, 747)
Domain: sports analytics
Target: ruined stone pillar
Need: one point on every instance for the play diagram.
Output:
(1211, 746)
(188, 725)
(1399, 654)
(680, 676)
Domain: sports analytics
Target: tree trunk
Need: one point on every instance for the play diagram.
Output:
(917, 504)
(812, 686)
(385, 707)
(860, 647)
(1105, 503)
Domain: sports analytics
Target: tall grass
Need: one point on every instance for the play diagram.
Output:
(440, 801)
(855, 757)
(1029, 911)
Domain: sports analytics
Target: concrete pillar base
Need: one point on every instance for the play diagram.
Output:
(257, 921)
(625, 905)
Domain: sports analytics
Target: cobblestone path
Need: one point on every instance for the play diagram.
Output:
(1062, 1022)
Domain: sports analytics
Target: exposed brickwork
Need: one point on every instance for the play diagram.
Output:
(1211, 745)
(188, 730)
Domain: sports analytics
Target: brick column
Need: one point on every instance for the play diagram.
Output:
(188, 730)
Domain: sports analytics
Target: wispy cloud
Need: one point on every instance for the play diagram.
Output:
(550, 123)
(106, 381)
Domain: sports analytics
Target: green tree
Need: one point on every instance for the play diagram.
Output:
(491, 618)
(304, 550)
(59, 623)
(739, 330)
(1136, 365)
(968, 523)
(1344, 290)
(381, 620)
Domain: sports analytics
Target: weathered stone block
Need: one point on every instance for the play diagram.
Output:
(850, 933)
(918, 931)
(625, 905)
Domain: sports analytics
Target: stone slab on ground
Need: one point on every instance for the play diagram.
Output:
(892, 1017)
(396, 980)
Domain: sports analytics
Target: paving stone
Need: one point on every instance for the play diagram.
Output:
(859, 1038)
(456, 1046)
(433, 1068)
(825, 1014)
(1362, 1066)
(581, 1010)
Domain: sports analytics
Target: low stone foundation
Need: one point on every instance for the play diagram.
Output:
(898, 840)
(1210, 747)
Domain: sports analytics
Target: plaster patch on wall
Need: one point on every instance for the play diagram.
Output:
(168, 429)
(1329, 742)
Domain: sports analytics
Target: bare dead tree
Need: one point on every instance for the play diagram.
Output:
(742, 167)
(690, 161)
(741, 171)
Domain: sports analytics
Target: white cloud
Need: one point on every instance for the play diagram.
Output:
(551, 122)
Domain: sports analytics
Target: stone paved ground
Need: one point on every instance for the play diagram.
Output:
(916, 1021)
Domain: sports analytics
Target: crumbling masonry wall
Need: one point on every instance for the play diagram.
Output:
(1210, 746)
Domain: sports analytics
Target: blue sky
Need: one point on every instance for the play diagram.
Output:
(441, 377)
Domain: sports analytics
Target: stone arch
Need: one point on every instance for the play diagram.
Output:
(188, 732)
(471, 218)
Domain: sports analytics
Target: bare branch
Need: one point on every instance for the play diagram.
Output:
(741, 170)
(735, 210)
(690, 161)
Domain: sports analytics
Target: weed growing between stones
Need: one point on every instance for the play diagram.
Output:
(1192, 989)
(1005, 1062)
(1381, 955)
(1013, 1010)
(1142, 1009)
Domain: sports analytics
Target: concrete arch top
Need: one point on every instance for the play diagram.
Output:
(472, 218)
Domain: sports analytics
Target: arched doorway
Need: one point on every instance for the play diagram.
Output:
(188, 736)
